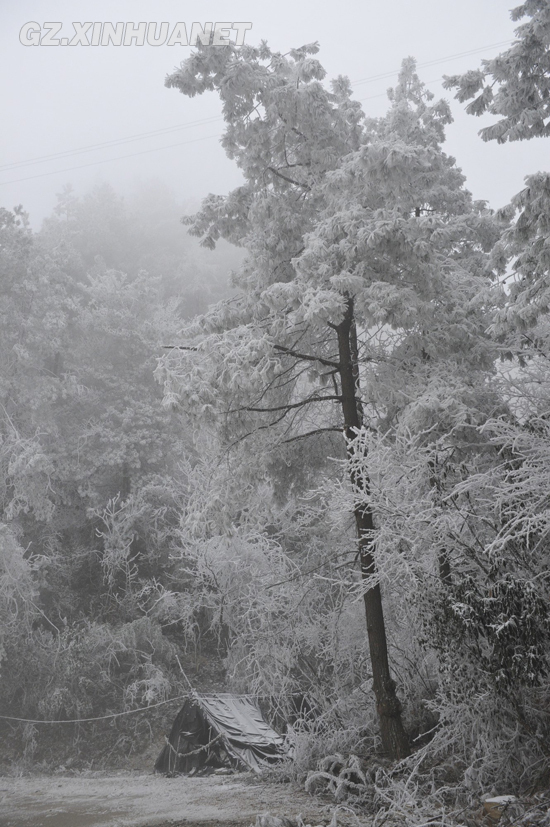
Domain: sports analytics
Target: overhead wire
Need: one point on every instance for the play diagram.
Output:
(200, 122)
(114, 142)
(88, 720)
(434, 62)
(106, 160)
(384, 94)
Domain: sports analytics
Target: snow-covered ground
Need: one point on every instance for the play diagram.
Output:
(137, 800)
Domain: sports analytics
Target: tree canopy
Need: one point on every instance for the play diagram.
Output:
(338, 495)
(363, 286)
(515, 84)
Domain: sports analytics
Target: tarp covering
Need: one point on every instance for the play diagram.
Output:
(246, 733)
(216, 730)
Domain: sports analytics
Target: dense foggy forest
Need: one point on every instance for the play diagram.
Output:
(309, 458)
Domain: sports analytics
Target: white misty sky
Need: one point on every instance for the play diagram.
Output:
(58, 99)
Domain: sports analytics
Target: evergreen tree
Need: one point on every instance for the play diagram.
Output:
(364, 251)
(516, 83)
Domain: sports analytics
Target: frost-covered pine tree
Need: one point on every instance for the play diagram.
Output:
(515, 85)
(364, 277)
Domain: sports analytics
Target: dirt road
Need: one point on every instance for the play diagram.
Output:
(139, 800)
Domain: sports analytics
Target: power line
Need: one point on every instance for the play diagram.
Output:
(433, 62)
(167, 130)
(106, 160)
(138, 137)
(384, 94)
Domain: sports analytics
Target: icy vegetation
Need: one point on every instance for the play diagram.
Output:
(322, 480)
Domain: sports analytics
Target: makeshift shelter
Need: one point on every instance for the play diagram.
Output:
(218, 731)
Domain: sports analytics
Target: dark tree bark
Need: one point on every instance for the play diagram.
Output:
(443, 559)
(394, 738)
(444, 567)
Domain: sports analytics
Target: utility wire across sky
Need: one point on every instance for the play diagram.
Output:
(91, 147)
(201, 122)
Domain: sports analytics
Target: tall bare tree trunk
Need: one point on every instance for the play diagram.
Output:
(394, 738)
